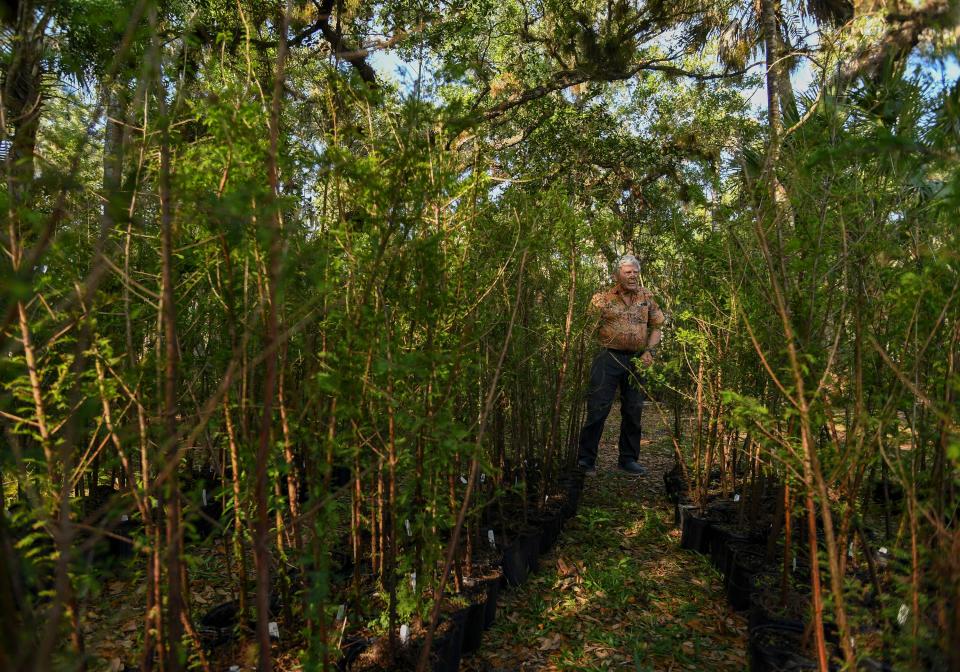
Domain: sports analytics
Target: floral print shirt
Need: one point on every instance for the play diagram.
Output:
(624, 324)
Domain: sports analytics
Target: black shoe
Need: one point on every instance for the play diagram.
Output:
(588, 468)
(631, 467)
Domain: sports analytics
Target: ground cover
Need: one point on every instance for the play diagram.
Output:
(617, 591)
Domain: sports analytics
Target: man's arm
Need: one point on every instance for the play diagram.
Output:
(655, 319)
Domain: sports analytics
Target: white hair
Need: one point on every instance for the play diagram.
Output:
(626, 259)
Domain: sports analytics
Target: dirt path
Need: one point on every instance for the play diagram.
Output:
(617, 592)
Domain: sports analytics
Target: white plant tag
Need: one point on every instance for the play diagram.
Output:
(124, 518)
(483, 477)
(406, 524)
(850, 550)
(341, 612)
(903, 614)
(413, 581)
(462, 479)
(883, 550)
(794, 563)
(404, 633)
(204, 496)
(274, 629)
(490, 538)
(546, 499)
(736, 497)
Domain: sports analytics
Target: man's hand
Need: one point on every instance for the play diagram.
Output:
(646, 358)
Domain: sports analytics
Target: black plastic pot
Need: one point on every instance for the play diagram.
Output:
(350, 650)
(720, 537)
(673, 484)
(766, 610)
(125, 528)
(515, 562)
(218, 625)
(531, 538)
(748, 563)
(695, 532)
(571, 499)
(449, 646)
(473, 627)
(722, 510)
(206, 519)
(490, 608)
(775, 648)
(549, 525)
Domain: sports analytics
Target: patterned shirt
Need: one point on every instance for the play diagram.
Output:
(622, 326)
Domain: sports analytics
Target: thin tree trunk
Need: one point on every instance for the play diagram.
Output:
(551, 443)
(238, 527)
(172, 503)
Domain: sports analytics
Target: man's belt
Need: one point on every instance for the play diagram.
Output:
(624, 352)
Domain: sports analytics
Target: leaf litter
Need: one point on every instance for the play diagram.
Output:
(617, 591)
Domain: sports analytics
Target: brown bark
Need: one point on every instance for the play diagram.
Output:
(271, 341)
(171, 499)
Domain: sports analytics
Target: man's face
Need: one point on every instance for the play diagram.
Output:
(628, 276)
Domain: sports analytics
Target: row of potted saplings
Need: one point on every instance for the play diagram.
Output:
(505, 552)
(776, 595)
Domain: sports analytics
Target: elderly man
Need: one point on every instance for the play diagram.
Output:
(629, 321)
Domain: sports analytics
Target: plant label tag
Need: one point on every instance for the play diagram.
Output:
(462, 479)
(491, 539)
(404, 633)
(274, 629)
(483, 477)
(546, 498)
(124, 518)
(794, 563)
(406, 524)
(736, 497)
(204, 496)
(413, 581)
(883, 550)
(903, 614)
(850, 550)
(341, 612)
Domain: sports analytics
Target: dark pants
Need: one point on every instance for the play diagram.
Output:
(612, 371)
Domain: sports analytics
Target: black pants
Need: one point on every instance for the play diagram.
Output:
(612, 371)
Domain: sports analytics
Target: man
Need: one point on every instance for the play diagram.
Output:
(629, 321)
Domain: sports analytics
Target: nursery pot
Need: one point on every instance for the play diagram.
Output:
(774, 648)
(549, 524)
(350, 650)
(218, 625)
(721, 537)
(473, 626)
(449, 647)
(515, 562)
(695, 532)
(490, 608)
(571, 499)
(766, 610)
(531, 543)
(117, 548)
(747, 564)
